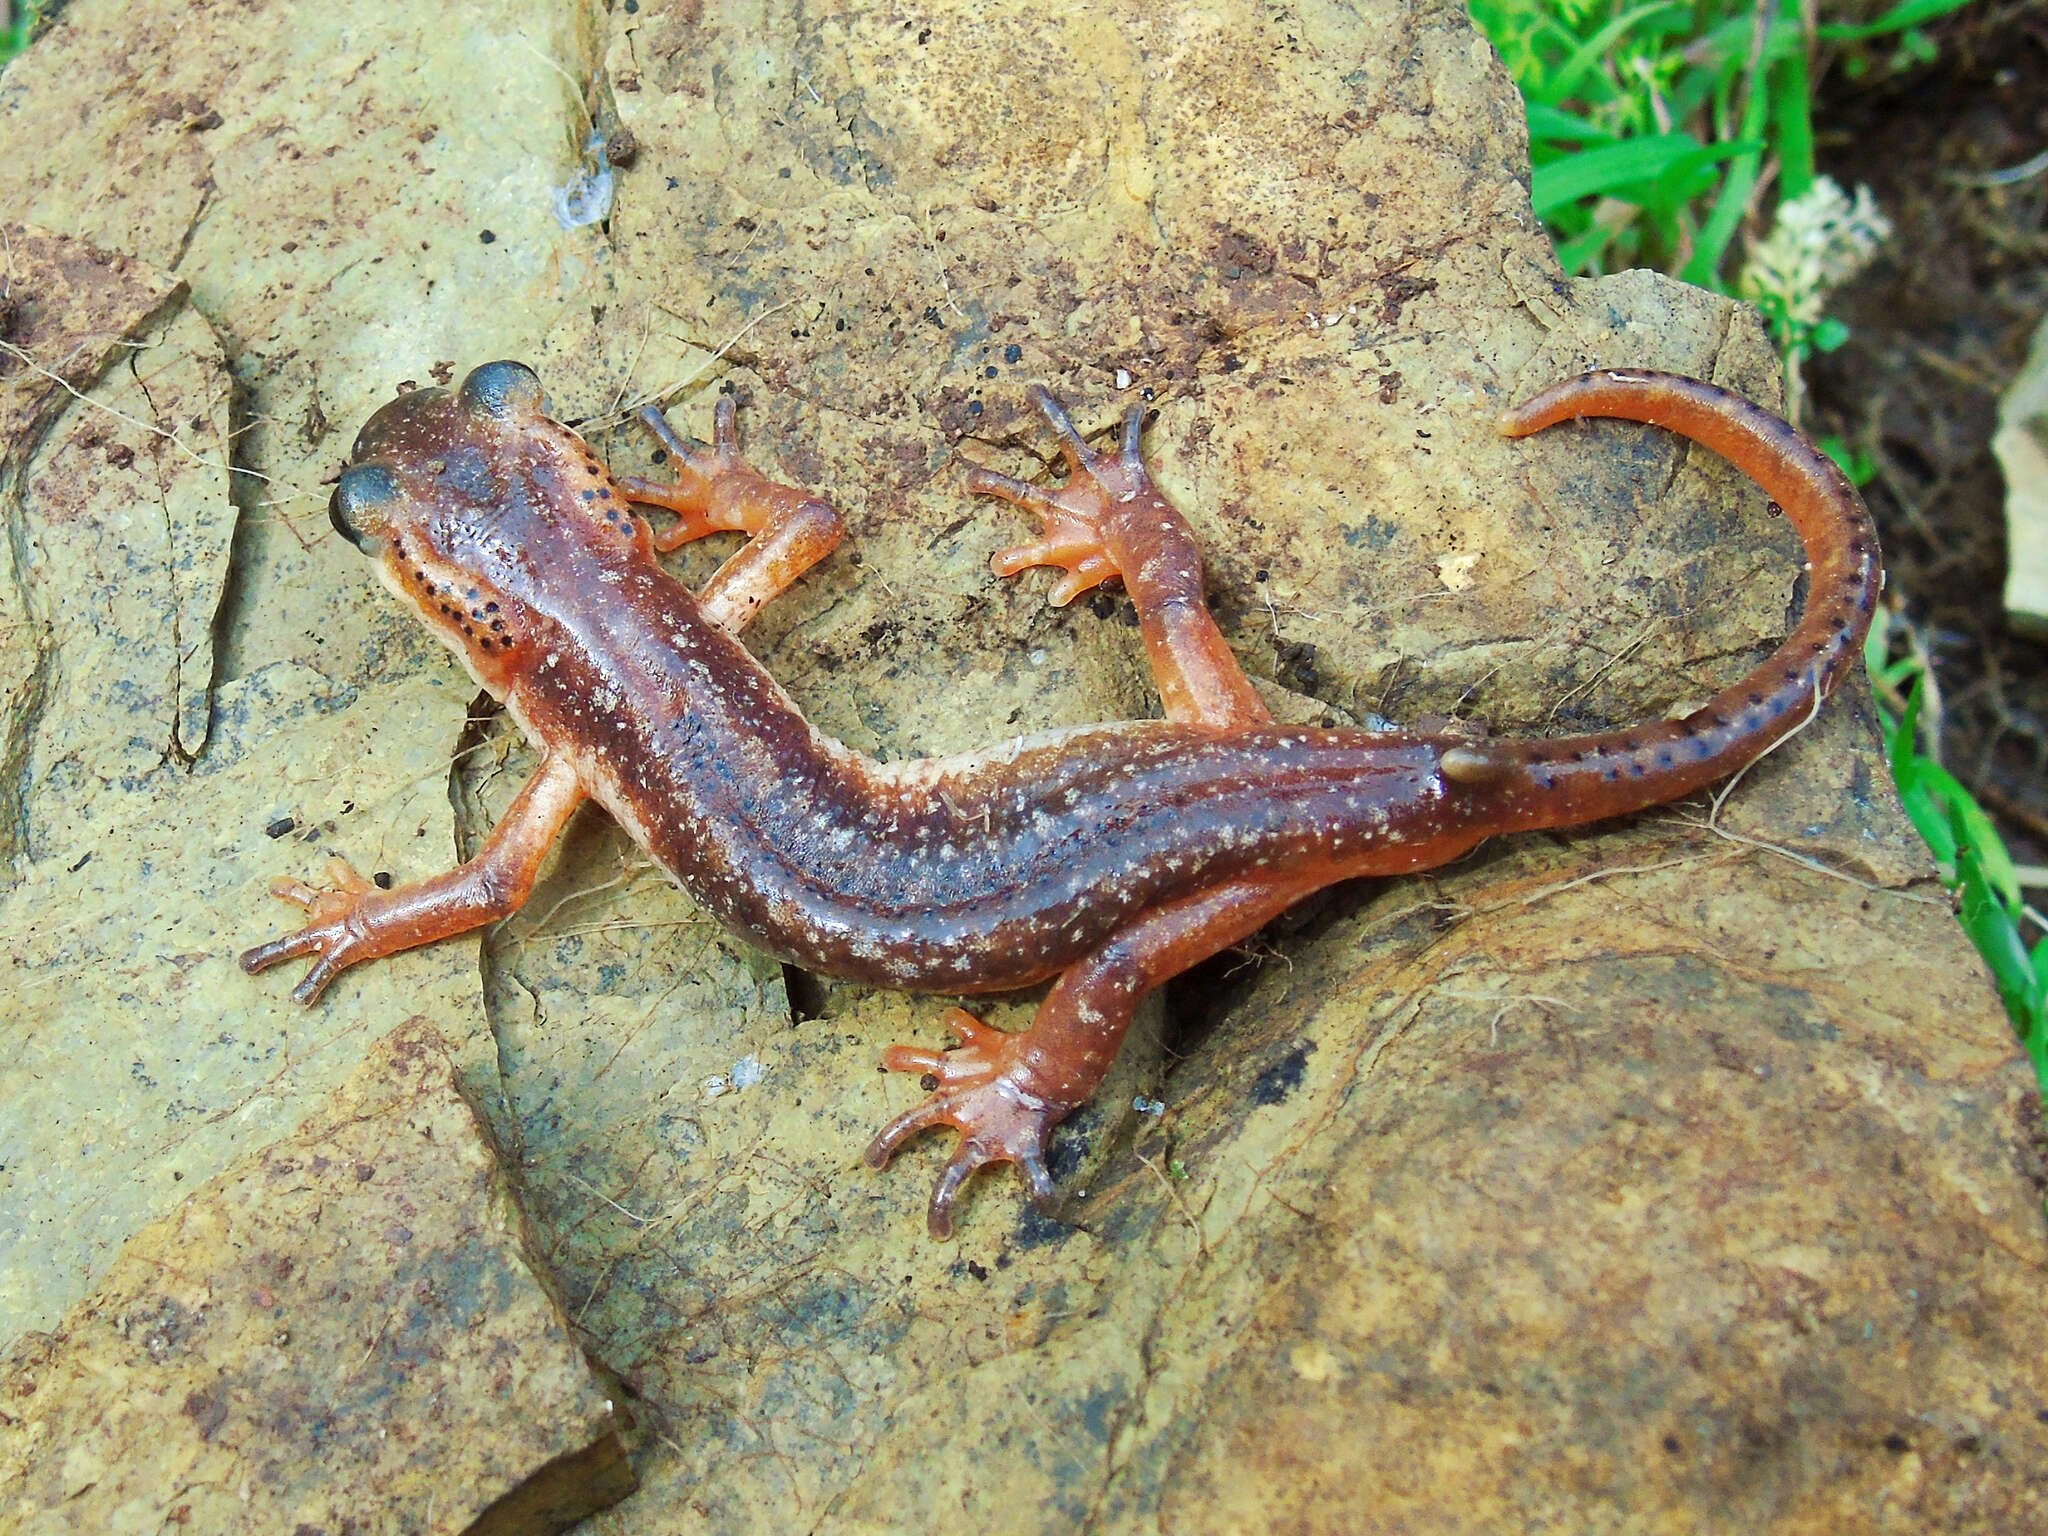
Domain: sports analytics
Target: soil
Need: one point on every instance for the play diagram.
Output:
(1939, 328)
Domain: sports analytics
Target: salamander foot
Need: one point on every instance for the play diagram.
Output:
(328, 935)
(980, 1091)
(1076, 517)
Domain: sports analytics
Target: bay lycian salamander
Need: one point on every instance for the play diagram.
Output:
(1111, 857)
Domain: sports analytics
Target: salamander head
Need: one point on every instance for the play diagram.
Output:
(467, 499)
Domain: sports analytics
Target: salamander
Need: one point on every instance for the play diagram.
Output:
(1109, 857)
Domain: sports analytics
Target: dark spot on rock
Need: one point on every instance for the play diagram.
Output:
(1284, 1076)
(1035, 1229)
(207, 1408)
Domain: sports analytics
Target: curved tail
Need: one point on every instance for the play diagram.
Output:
(1563, 781)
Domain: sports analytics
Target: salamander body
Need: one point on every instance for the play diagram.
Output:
(1112, 857)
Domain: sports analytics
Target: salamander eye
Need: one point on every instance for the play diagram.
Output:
(354, 509)
(503, 389)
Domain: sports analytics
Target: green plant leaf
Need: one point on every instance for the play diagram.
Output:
(1554, 125)
(1725, 47)
(1915, 47)
(1829, 334)
(1900, 747)
(1579, 254)
(2037, 1001)
(1946, 814)
(1636, 163)
(1792, 128)
(1910, 13)
(1992, 930)
(1861, 469)
(1980, 837)
(1595, 48)
(1925, 810)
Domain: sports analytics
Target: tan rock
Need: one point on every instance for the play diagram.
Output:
(68, 310)
(341, 1333)
(1475, 1195)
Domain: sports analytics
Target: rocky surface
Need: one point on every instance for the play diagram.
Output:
(340, 1333)
(1609, 1180)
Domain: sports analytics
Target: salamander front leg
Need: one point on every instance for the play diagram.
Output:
(353, 920)
(1110, 520)
(715, 490)
(1003, 1092)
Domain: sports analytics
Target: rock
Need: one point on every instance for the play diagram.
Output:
(70, 310)
(2021, 444)
(1606, 1179)
(341, 1333)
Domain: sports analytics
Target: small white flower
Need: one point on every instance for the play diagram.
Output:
(1820, 240)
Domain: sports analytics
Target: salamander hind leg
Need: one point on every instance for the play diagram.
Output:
(1110, 520)
(984, 1090)
(1004, 1092)
(715, 490)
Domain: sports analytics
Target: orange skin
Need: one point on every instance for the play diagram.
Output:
(1112, 857)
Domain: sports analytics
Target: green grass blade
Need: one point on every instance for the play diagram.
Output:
(1972, 831)
(1927, 810)
(1911, 13)
(1792, 125)
(1554, 125)
(1637, 162)
(1733, 202)
(1991, 929)
(1726, 47)
(1575, 256)
(1595, 48)
(1900, 747)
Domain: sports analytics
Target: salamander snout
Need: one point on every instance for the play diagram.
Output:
(357, 507)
